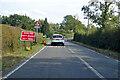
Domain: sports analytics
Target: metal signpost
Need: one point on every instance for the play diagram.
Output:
(37, 25)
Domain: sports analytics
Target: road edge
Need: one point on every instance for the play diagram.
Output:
(19, 65)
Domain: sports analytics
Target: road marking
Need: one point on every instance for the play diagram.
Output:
(71, 51)
(97, 73)
(117, 61)
(22, 64)
(92, 50)
(106, 56)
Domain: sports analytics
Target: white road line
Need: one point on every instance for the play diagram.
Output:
(22, 64)
(91, 50)
(97, 73)
(98, 53)
(117, 61)
(71, 51)
(106, 56)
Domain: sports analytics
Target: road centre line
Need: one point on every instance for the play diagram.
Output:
(117, 60)
(22, 64)
(72, 51)
(106, 56)
(90, 67)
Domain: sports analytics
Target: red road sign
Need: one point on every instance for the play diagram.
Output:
(27, 36)
(37, 23)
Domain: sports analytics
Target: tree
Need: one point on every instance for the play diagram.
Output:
(99, 12)
(70, 23)
(16, 20)
(23, 26)
(45, 29)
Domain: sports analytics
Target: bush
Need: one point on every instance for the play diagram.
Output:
(102, 38)
(11, 39)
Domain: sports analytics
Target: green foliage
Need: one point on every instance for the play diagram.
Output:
(22, 21)
(11, 39)
(107, 38)
(99, 12)
(13, 50)
(45, 28)
(71, 23)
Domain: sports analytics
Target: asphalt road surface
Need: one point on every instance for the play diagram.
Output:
(69, 61)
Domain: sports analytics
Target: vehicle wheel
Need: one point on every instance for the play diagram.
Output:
(52, 44)
(63, 44)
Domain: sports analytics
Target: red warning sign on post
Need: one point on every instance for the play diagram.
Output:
(27, 36)
(37, 23)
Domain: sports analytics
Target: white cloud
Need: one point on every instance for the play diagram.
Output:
(15, 1)
(73, 5)
(23, 12)
(54, 10)
(38, 12)
(34, 13)
(7, 12)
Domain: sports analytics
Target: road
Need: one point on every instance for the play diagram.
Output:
(69, 61)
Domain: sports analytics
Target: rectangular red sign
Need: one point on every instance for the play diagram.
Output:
(27, 36)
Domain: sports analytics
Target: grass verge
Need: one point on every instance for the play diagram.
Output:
(13, 58)
(109, 53)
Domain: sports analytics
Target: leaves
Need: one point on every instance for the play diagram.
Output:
(99, 12)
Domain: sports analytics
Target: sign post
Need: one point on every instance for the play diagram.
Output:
(37, 25)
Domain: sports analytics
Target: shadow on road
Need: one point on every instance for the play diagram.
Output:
(53, 45)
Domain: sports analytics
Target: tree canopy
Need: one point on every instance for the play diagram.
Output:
(71, 23)
(100, 12)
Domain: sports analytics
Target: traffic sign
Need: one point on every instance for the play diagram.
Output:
(27, 36)
(36, 26)
(37, 23)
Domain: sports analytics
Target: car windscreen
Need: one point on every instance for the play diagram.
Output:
(57, 36)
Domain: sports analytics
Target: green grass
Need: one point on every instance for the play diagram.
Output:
(13, 50)
(0, 47)
(103, 51)
(13, 58)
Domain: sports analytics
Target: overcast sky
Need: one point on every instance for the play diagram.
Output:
(54, 10)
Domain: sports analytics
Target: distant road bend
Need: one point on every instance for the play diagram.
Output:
(69, 61)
